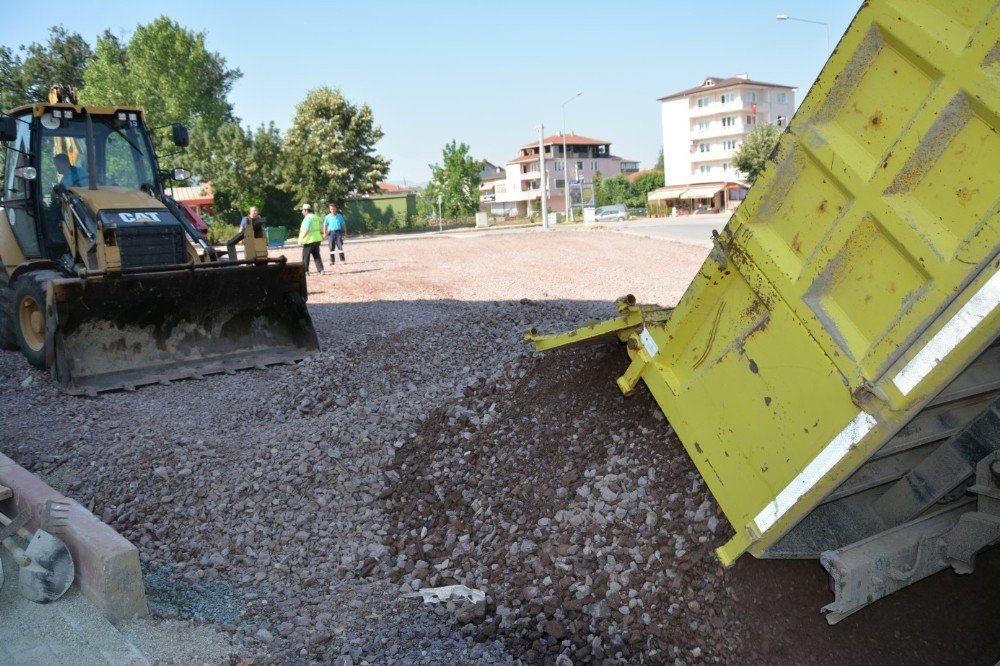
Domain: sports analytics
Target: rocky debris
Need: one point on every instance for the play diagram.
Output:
(584, 521)
(258, 501)
(427, 445)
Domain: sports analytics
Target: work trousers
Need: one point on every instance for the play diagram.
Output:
(337, 243)
(312, 250)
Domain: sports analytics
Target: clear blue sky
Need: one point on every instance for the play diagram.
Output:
(482, 73)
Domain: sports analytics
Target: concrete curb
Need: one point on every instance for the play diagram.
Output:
(107, 564)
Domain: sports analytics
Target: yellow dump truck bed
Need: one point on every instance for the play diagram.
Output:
(849, 295)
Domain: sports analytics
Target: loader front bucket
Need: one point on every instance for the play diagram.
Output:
(125, 330)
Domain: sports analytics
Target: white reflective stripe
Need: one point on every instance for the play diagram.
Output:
(649, 343)
(820, 466)
(945, 341)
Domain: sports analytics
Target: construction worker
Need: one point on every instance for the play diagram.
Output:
(335, 228)
(310, 237)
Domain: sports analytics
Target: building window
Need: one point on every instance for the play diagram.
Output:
(729, 144)
(704, 168)
(702, 125)
(558, 165)
(704, 147)
(726, 166)
(534, 166)
(702, 102)
(751, 120)
(728, 121)
(593, 165)
(560, 183)
(602, 150)
(782, 98)
(751, 97)
(579, 166)
(727, 97)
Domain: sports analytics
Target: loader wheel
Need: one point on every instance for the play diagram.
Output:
(29, 317)
(8, 339)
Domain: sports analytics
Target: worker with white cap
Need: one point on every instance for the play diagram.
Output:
(310, 237)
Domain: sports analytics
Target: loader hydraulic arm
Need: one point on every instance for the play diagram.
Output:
(196, 237)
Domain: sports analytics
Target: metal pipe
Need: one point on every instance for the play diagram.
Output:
(541, 161)
(166, 268)
(569, 210)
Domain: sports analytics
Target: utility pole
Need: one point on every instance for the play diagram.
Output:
(569, 210)
(541, 164)
(440, 201)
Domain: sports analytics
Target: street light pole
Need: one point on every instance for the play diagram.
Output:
(826, 26)
(569, 210)
(440, 201)
(541, 164)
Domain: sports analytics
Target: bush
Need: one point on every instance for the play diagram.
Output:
(399, 220)
(220, 232)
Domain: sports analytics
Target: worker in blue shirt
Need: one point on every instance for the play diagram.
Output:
(335, 228)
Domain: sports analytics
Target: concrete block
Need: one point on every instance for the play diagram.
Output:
(107, 564)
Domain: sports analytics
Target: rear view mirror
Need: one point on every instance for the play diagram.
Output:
(8, 128)
(180, 135)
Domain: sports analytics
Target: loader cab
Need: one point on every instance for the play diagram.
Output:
(48, 147)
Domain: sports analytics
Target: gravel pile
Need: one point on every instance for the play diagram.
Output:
(258, 501)
(577, 512)
(428, 445)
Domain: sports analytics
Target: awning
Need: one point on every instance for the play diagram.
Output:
(704, 192)
(664, 193)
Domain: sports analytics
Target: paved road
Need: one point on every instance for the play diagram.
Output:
(696, 230)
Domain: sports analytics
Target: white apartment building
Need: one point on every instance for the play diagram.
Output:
(702, 129)
(520, 191)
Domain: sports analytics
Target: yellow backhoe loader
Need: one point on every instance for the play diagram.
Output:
(105, 280)
(833, 370)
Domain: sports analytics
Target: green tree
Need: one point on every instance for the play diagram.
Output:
(755, 149)
(643, 184)
(26, 77)
(330, 149)
(456, 180)
(659, 162)
(166, 70)
(614, 190)
(244, 167)
(598, 182)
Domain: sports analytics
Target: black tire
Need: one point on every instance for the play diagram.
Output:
(8, 340)
(29, 316)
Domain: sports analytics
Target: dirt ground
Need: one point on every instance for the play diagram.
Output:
(428, 445)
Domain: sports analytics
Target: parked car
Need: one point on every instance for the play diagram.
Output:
(614, 212)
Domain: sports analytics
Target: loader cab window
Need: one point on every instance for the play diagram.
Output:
(17, 191)
(18, 156)
(122, 152)
(125, 161)
(63, 160)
